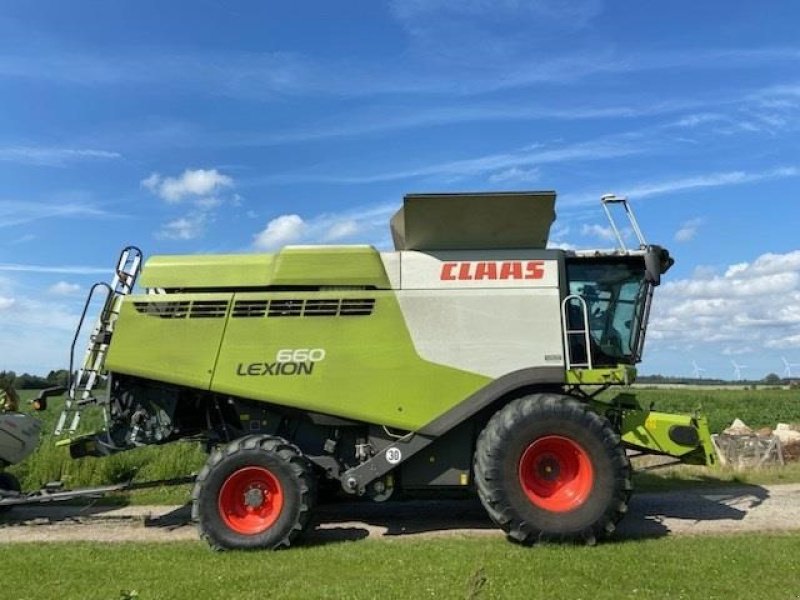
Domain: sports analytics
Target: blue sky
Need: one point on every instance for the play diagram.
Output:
(218, 127)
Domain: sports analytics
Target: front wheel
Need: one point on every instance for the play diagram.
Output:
(548, 468)
(255, 493)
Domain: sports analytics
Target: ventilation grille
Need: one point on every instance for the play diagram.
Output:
(285, 308)
(296, 307)
(181, 309)
(164, 310)
(282, 307)
(250, 308)
(356, 307)
(321, 308)
(208, 309)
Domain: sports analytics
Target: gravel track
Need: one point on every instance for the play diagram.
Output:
(701, 511)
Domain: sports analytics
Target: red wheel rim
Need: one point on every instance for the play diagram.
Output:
(250, 500)
(556, 473)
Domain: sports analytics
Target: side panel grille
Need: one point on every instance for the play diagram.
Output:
(285, 308)
(321, 308)
(208, 309)
(181, 309)
(299, 307)
(164, 310)
(250, 308)
(242, 309)
(357, 307)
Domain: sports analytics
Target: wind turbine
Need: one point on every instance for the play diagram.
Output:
(737, 370)
(788, 370)
(697, 371)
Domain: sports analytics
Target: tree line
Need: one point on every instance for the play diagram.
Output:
(26, 381)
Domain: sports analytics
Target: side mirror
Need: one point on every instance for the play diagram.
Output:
(657, 261)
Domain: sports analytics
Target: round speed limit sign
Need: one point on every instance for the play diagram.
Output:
(393, 456)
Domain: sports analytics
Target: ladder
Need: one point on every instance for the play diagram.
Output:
(90, 374)
(608, 199)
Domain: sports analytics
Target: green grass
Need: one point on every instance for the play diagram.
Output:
(52, 463)
(759, 566)
(758, 408)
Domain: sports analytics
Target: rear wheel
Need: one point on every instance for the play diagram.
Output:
(255, 493)
(8, 483)
(548, 468)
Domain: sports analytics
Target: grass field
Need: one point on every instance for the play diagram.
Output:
(757, 408)
(760, 566)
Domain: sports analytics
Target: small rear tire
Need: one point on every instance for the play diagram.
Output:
(548, 468)
(255, 493)
(8, 483)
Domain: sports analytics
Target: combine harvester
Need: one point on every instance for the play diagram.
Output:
(472, 357)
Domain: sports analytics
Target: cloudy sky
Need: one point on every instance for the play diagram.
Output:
(213, 126)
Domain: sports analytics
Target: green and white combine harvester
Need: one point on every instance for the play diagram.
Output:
(471, 357)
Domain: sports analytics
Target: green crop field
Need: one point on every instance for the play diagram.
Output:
(758, 408)
(759, 566)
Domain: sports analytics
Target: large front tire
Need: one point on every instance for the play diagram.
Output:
(255, 493)
(548, 468)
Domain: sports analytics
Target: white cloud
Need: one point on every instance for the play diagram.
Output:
(57, 269)
(64, 288)
(515, 174)
(688, 230)
(753, 306)
(524, 159)
(736, 350)
(681, 184)
(188, 227)
(599, 231)
(710, 180)
(14, 212)
(37, 332)
(368, 224)
(342, 229)
(280, 231)
(53, 156)
(203, 188)
(192, 183)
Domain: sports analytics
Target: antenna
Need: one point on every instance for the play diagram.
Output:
(737, 370)
(697, 371)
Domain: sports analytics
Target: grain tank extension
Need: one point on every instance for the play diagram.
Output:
(470, 357)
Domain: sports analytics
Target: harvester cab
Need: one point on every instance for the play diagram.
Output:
(471, 357)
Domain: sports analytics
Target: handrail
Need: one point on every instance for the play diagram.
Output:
(567, 332)
(109, 293)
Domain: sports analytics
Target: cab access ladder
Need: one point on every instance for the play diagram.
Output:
(82, 384)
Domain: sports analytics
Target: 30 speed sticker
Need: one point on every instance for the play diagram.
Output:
(393, 456)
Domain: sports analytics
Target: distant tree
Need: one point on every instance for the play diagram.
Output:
(7, 378)
(58, 378)
(26, 381)
(772, 379)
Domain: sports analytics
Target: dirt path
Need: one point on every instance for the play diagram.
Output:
(723, 510)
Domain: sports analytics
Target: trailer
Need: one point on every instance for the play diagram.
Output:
(472, 357)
